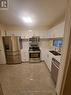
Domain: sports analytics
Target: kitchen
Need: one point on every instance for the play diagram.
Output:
(32, 44)
(47, 41)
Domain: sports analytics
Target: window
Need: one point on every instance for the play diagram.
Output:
(57, 42)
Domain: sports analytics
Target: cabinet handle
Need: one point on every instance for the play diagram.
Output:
(55, 66)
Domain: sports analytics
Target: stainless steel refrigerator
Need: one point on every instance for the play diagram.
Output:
(12, 49)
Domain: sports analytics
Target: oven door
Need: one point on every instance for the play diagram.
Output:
(34, 55)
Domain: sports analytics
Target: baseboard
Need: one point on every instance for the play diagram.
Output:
(47, 66)
(24, 61)
(30, 62)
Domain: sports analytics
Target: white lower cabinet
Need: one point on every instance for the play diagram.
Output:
(47, 57)
(43, 54)
(48, 60)
(24, 56)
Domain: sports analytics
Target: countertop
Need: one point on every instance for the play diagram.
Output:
(58, 57)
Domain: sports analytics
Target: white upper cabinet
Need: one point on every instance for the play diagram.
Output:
(57, 31)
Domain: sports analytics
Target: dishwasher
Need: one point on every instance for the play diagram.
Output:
(54, 70)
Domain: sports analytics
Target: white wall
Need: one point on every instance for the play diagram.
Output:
(2, 30)
(27, 34)
(57, 31)
(2, 53)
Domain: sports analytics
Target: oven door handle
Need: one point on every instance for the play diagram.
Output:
(55, 65)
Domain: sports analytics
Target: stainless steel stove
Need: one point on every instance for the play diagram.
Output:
(34, 51)
(34, 54)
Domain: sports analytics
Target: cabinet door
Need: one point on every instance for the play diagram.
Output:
(49, 60)
(24, 56)
(42, 54)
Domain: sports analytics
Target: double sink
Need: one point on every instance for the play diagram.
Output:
(55, 53)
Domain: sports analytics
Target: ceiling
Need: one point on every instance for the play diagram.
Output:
(43, 12)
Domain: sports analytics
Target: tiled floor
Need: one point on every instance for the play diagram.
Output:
(26, 79)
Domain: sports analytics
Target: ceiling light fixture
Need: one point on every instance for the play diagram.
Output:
(27, 19)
